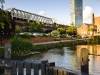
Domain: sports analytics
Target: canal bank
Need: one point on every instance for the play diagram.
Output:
(44, 46)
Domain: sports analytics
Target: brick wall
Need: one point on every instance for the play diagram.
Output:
(35, 40)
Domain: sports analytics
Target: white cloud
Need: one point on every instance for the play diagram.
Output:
(42, 13)
(87, 12)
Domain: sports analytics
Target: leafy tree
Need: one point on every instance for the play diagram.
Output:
(32, 27)
(61, 30)
(38, 27)
(5, 23)
(72, 30)
(35, 27)
(92, 29)
(55, 33)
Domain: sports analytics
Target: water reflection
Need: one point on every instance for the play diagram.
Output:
(69, 57)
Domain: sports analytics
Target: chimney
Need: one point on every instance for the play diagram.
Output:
(93, 19)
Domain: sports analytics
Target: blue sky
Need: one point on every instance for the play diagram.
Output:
(58, 9)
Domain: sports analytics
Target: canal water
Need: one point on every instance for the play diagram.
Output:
(69, 57)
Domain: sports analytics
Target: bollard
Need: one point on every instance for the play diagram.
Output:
(84, 61)
(7, 51)
(7, 55)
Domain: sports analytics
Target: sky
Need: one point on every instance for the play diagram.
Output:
(58, 10)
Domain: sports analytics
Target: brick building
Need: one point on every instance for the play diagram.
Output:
(97, 22)
(83, 30)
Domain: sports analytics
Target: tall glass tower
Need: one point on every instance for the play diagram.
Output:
(76, 12)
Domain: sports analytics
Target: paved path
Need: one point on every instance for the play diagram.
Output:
(52, 42)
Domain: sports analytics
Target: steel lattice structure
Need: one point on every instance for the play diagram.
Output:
(16, 13)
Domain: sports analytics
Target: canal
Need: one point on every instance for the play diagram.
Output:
(69, 57)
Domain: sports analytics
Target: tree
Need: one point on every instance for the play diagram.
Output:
(72, 30)
(2, 1)
(35, 27)
(32, 27)
(5, 22)
(91, 30)
(61, 30)
(38, 28)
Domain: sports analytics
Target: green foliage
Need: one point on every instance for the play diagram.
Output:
(25, 35)
(20, 46)
(55, 33)
(2, 25)
(35, 27)
(58, 45)
(63, 36)
(44, 35)
(61, 30)
(72, 30)
(4, 18)
(92, 29)
(78, 36)
(18, 30)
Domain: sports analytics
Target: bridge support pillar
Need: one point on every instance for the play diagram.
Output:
(84, 61)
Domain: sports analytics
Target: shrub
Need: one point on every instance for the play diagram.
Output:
(18, 30)
(63, 36)
(20, 46)
(55, 33)
(25, 35)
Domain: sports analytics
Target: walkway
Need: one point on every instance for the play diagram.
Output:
(52, 42)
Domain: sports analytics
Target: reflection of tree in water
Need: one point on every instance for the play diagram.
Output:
(59, 51)
(72, 48)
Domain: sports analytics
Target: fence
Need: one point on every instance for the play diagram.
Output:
(14, 67)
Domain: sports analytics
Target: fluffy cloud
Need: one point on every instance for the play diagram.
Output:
(87, 12)
(42, 13)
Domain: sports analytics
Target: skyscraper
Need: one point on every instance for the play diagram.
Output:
(76, 12)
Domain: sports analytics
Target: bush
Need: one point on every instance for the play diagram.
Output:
(63, 36)
(18, 30)
(55, 33)
(44, 35)
(20, 46)
(25, 35)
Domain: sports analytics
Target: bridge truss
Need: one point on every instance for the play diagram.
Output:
(20, 14)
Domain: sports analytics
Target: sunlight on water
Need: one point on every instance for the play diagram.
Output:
(69, 57)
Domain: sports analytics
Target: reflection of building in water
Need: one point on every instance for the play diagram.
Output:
(94, 62)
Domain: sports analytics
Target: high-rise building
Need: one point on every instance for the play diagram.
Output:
(76, 12)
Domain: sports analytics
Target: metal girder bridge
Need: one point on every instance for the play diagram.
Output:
(16, 13)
